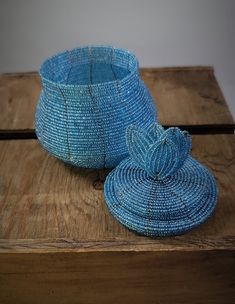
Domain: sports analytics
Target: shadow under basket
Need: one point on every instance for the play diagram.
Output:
(89, 97)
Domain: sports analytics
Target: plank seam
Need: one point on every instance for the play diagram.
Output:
(192, 129)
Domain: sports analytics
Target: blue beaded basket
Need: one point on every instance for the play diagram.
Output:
(160, 190)
(90, 95)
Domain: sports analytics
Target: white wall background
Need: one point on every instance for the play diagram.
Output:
(160, 32)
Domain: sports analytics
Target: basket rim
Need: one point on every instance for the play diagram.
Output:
(96, 85)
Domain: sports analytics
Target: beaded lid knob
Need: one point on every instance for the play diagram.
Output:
(160, 189)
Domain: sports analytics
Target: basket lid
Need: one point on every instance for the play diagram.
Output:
(160, 189)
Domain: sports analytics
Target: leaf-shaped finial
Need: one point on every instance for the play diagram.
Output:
(138, 143)
(159, 152)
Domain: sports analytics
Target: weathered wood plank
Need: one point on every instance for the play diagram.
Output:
(187, 96)
(184, 96)
(112, 277)
(18, 98)
(59, 244)
(117, 244)
(41, 197)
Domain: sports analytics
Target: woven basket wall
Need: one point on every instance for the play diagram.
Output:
(90, 95)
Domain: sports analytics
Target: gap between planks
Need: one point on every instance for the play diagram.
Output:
(192, 129)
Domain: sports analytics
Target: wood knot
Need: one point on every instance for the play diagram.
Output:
(98, 184)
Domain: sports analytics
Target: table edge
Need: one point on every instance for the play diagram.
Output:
(116, 245)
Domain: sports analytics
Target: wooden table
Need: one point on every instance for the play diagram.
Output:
(58, 242)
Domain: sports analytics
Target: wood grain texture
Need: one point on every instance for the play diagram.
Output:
(58, 242)
(111, 277)
(184, 96)
(42, 198)
(187, 96)
(18, 98)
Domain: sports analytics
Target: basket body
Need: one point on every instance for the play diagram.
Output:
(89, 96)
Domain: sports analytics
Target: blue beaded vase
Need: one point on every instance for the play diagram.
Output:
(89, 97)
(160, 190)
